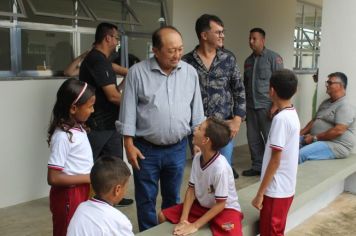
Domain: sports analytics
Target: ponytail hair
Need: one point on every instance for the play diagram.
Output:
(71, 92)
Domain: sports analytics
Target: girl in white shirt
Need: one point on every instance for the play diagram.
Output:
(71, 157)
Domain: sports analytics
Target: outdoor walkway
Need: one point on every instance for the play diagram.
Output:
(33, 218)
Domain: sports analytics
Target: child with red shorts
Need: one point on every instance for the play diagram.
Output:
(71, 157)
(280, 160)
(211, 195)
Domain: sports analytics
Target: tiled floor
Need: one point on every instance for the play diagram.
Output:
(33, 218)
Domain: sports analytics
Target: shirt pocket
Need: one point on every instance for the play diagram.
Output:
(264, 73)
(264, 76)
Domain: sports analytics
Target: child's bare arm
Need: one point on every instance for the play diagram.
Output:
(187, 204)
(189, 228)
(270, 171)
(59, 178)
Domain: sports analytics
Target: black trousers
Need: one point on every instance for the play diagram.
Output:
(105, 142)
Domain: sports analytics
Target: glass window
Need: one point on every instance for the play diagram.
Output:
(149, 12)
(45, 50)
(53, 32)
(112, 11)
(86, 42)
(34, 17)
(307, 37)
(12, 8)
(139, 47)
(5, 63)
(60, 8)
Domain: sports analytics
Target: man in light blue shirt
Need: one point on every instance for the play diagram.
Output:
(161, 105)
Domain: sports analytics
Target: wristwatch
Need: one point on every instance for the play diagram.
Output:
(315, 138)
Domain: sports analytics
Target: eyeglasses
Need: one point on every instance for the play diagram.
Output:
(219, 32)
(328, 83)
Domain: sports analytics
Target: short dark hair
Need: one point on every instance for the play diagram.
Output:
(218, 132)
(341, 76)
(258, 30)
(107, 172)
(203, 23)
(156, 36)
(284, 82)
(102, 30)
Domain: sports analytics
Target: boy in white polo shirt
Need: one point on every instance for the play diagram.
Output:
(98, 216)
(211, 195)
(280, 160)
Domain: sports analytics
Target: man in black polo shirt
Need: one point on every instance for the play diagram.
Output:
(96, 70)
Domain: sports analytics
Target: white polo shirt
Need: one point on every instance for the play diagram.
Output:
(284, 136)
(213, 181)
(72, 157)
(96, 217)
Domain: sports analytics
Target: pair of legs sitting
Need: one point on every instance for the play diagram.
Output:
(315, 151)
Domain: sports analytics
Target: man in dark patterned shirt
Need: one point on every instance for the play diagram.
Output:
(222, 89)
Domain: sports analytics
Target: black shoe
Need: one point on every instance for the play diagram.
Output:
(124, 202)
(236, 175)
(251, 172)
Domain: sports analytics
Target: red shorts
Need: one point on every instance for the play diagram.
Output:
(273, 216)
(63, 201)
(227, 222)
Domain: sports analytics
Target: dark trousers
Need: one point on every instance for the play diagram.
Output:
(258, 125)
(105, 142)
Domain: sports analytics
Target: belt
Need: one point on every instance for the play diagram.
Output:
(145, 142)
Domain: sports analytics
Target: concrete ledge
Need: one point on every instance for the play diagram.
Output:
(318, 183)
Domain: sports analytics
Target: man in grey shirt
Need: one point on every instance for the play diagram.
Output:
(160, 107)
(258, 69)
(331, 133)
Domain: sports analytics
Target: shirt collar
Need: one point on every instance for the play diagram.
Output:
(100, 200)
(217, 59)
(219, 52)
(264, 51)
(338, 100)
(154, 65)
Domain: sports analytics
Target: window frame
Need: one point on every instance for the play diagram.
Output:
(300, 32)
(15, 14)
(17, 26)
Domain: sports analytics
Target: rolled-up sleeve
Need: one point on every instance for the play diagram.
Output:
(126, 124)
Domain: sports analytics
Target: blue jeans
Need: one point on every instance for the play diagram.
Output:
(315, 151)
(164, 165)
(225, 151)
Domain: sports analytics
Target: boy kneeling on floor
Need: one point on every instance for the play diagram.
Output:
(211, 195)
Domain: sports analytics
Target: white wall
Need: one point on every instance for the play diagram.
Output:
(303, 100)
(277, 17)
(338, 44)
(25, 112)
(26, 105)
(338, 49)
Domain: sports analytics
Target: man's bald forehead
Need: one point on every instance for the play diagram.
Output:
(162, 32)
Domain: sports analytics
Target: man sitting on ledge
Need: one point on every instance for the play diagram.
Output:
(330, 134)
